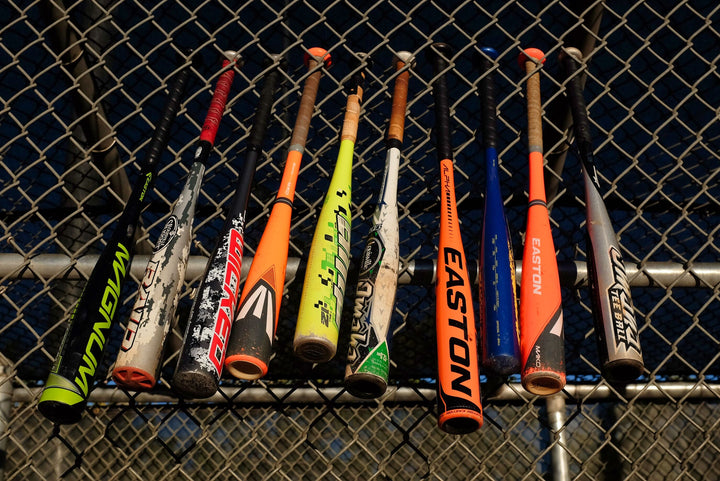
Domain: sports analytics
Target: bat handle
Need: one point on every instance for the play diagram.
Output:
(530, 59)
(439, 54)
(314, 57)
(219, 98)
(162, 131)
(399, 102)
(355, 94)
(485, 61)
(359, 65)
(264, 107)
(571, 60)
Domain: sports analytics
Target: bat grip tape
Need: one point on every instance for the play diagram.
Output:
(262, 112)
(217, 104)
(442, 108)
(162, 131)
(307, 106)
(577, 102)
(488, 105)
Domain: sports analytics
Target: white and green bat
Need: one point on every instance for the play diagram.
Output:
(318, 323)
(366, 372)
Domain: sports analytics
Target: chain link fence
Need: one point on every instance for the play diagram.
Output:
(81, 85)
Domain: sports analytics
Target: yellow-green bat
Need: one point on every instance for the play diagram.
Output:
(321, 302)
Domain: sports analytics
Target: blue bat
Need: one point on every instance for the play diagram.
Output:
(498, 299)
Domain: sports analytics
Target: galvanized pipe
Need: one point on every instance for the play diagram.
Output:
(422, 272)
(510, 392)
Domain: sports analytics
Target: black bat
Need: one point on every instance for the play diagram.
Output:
(71, 377)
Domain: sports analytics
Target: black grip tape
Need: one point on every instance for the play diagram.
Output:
(262, 111)
(162, 130)
(488, 107)
(360, 66)
(577, 103)
(439, 53)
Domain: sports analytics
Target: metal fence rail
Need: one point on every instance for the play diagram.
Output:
(81, 86)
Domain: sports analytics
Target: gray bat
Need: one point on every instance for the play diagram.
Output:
(615, 325)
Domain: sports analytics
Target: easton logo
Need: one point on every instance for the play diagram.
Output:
(621, 309)
(136, 315)
(536, 267)
(224, 315)
(109, 302)
(455, 300)
(259, 307)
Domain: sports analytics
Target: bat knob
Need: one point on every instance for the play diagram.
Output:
(234, 56)
(532, 54)
(441, 49)
(320, 55)
(490, 52)
(573, 53)
(275, 59)
(405, 57)
(361, 60)
(191, 57)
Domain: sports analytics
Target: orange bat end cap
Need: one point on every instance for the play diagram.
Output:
(134, 379)
(531, 53)
(245, 367)
(318, 52)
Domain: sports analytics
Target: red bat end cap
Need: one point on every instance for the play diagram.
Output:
(531, 53)
(318, 52)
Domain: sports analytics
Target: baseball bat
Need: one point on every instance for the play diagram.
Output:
(202, 354)
(615, 326)
(541, 318)
(321, 302)
(71, 378)
(366, 371)
(460, 411)
(252, 334)
(498, 298)
(138, 362)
